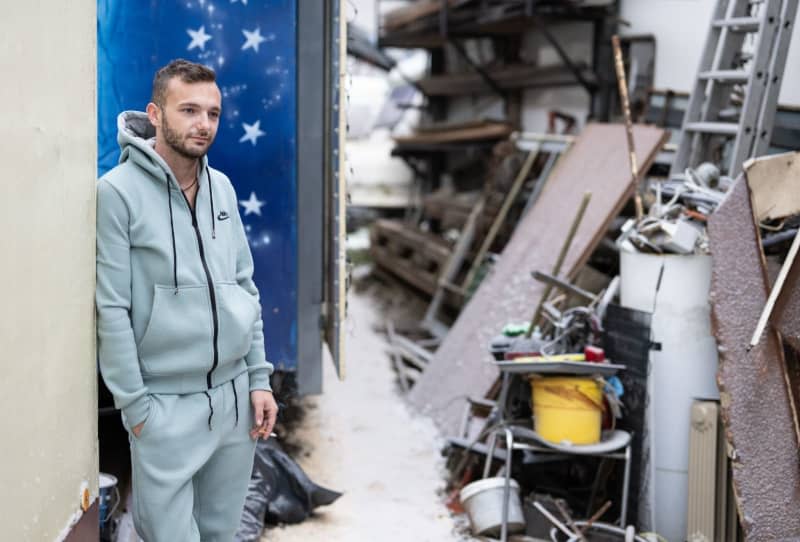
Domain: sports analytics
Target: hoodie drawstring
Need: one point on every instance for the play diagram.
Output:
(235, 402)
(174, 249)
(211, 197)
(211, 408)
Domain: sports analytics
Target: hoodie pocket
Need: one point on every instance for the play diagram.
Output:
(238, 313)
(179, 334)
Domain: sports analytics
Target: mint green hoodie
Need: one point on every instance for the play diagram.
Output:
(177, 308)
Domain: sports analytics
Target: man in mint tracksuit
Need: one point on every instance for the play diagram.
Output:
(179, 324)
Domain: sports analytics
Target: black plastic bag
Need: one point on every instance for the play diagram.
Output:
(279, 492)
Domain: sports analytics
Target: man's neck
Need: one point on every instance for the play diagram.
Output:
(185, 169)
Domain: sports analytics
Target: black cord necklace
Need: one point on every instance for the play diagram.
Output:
(194, 182)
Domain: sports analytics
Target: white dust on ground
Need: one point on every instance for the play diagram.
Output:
(360, 438)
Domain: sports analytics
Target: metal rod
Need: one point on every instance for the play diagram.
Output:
(563, 285)
(554, 520)
(479, 69)
(560, 260)
(562, 507)
(589, 86)
(626, 482)
(595, 516)
(501, 216)
(626, 110)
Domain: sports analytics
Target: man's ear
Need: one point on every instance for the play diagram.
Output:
(154, 114)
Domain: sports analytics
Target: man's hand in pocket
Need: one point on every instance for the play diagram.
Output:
(138, 429)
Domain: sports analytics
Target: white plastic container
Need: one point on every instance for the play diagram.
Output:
(483, 501)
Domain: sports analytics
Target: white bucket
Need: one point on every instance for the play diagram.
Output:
(483, 501)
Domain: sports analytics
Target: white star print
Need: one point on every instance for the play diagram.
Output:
(252, 132)
(199, 38)
(252, 205)
(253, 39)
(243, 2)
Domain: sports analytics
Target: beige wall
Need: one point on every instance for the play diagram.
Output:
(48, 387)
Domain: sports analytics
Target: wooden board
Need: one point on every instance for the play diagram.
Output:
(408, 14)
(507, 77)
(487, 130)
(775, 185)
(596, 162)
(756, 406)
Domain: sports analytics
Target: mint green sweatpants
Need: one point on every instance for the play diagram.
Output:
(190, 474)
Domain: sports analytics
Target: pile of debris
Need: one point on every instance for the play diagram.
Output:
(609, 295)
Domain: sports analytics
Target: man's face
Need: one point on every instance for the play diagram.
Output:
(189, 117)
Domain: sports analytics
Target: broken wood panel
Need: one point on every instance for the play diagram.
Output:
(756, 408)
(775, 185)
(596, 162)
(488, 130)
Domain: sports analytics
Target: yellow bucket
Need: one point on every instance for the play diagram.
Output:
(567, 409)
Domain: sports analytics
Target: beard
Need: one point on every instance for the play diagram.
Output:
(177, 141)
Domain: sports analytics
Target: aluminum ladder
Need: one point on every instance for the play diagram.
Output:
(745, 49)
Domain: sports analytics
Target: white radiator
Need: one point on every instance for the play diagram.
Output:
(712, 513)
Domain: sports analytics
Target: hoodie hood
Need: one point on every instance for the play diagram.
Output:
(137, 138)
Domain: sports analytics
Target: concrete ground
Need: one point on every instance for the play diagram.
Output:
(360, 438)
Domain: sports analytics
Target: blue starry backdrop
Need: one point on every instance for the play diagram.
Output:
(251, 44)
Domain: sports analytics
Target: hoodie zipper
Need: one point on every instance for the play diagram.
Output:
(211, 293)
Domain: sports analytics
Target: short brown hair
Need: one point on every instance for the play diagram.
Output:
(188, 72)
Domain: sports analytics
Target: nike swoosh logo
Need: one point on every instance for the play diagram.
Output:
(223, 216)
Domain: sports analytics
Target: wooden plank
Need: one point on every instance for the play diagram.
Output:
(597, 162)
(507, 77)
(408, 346)
(775, 184)
(395, 357)
(756, 407)
(454, 125)
(408, 14)
(489, 130)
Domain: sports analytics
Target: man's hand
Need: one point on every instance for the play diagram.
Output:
(265, 411)
(138, 429)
